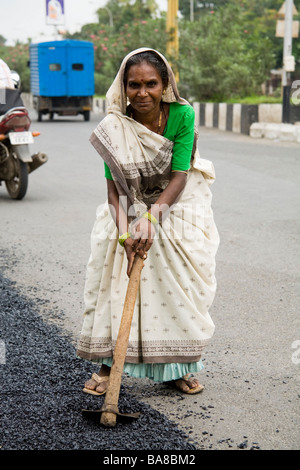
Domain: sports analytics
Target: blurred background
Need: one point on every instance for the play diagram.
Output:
(222, 51)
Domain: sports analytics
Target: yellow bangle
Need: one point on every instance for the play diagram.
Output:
(149, 216)
(123, 238)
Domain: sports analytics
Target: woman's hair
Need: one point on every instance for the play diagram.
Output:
(152, 59)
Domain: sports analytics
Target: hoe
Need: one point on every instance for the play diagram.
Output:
(109, 410)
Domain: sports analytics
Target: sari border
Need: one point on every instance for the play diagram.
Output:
(97, 357)
(148, 352)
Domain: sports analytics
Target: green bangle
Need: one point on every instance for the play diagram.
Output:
(149, 216)
(123, 238)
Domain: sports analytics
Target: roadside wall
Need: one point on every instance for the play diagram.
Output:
(230, 117)
(240, 117)
(263, 120)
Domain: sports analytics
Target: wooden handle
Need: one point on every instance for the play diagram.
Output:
(113, 389)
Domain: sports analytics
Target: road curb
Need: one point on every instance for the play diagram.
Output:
(258, 121)
(274, 131)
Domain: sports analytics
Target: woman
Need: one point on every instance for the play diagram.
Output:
(159, 208)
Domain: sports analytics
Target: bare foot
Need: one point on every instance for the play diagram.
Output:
(98, 384)
(188, 384)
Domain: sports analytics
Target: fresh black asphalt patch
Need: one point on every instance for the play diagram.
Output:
(42, 398)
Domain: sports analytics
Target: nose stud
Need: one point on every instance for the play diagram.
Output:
(143, 92)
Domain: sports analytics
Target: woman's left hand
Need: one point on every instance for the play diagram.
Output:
(143, 233)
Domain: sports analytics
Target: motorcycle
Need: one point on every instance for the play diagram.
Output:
(16, 161)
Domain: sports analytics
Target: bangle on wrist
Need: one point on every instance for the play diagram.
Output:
(150, 217)
(124, 237)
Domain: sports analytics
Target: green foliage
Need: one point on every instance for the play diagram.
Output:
(226, 53)
(260, 18)
(220, 57)
(111, 45)
(120, 12)
(256, 99)
(200, 8)
(17, 58)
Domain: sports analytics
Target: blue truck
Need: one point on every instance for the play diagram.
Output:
(62, 77)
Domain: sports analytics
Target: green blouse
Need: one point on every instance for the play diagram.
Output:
(180, 130)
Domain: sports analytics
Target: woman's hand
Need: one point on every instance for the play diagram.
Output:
(140, 242)
(143, 233)
(130, 253)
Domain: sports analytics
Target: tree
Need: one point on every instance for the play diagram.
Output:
(226, 51)
(198, 8)
(132, 26)
(17, 58)
(219, 58)
(259, 18)
(120, 12)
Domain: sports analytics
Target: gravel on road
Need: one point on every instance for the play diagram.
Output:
(42, 398)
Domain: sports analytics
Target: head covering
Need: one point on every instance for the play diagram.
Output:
(139, 159)
(116, 95)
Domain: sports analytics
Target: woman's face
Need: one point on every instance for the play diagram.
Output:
(144, 88)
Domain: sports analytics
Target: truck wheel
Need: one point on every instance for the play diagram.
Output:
(40, 114)
(86, 115)
(17, 186)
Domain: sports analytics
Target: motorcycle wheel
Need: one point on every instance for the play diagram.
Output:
(17, 186)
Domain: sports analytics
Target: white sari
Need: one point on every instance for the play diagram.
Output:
(171, 323)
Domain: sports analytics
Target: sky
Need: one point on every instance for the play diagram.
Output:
(23, 19)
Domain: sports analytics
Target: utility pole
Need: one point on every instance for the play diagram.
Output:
(191, 10)
(172, 28)
(287, 53)
(111, 21)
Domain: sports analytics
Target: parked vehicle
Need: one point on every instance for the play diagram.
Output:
(62, 77)
(16, 161)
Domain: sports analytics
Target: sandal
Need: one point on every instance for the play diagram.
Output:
(98, 381)
(192, 390)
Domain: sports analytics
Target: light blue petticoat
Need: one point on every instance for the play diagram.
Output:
(158, 372)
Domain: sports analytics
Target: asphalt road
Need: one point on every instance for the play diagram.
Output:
(251, 375)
